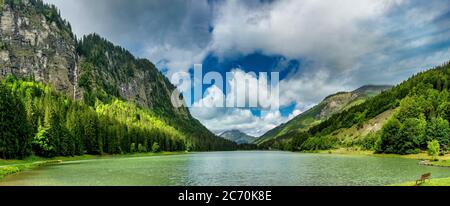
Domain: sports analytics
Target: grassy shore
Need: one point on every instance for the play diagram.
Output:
(8, 167)
(443, 161)
(431, 182)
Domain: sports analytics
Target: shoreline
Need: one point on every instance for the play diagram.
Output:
(425, 160)
(443, 161)
(9, 167)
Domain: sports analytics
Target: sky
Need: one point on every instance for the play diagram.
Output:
(319, 47)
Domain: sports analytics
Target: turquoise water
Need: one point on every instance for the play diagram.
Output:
(230, 168)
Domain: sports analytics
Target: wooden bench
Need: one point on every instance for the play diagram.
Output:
(422, 179)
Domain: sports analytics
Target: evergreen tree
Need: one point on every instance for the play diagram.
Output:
(15, 131)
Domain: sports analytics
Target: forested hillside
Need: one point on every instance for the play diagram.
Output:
(421, 108)
(83, 96)
(108, 71)
(330, 105)
(35, 118)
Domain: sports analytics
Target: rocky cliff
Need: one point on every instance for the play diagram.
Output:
(36, 43)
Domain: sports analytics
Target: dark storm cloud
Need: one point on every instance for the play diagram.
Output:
(341, 44)
(140, 23)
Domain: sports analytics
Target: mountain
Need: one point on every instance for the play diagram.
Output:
(401, 120)
(38, 46)
(106, 71)
(237, 136)
(36, 43)
(330, 105)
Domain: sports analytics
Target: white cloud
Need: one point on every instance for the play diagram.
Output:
(326, 31)
(346, 43)
(220, 119)
(173, 58)
(306, 88)
(173, 33)
(223, 119)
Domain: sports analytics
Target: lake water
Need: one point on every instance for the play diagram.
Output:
(257, 168)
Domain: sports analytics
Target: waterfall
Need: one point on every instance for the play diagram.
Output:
(75, 81)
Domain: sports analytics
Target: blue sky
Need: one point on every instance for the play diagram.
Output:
(319, 47)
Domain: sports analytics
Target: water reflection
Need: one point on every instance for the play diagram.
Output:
(230, 168)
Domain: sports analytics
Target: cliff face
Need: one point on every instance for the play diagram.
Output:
(37, 44)
(107, 68)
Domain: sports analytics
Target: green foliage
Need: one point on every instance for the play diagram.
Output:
(319, 143)
(299, 140)
(104, 68)
(85, 82)
(371, 142)
(35, 118)
(3, 45)
(433, 149)
(389, 136)
(38, 119)
(155, 147)
(423, 115)
(41, 143)
(411, 135)
(15, 130)
(7, 170)
(438, 129)
(142, 148)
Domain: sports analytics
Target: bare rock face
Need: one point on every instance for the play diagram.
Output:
(33, 46)
(36, 43)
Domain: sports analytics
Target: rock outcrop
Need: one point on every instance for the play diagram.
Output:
(35, 46)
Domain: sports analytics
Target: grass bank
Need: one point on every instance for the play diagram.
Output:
(15, 168)
(442, 160)
(8, 167)
(431, 182)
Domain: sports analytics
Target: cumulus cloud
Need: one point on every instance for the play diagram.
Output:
(172, 34)
(326, 31)
(309, 87)
(211, 110)
(341, 44)
(219, 120)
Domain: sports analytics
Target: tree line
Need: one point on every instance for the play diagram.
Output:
(36, 119)
(422, 115)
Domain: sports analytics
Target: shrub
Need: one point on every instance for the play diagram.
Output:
(319, 143)
(433, 149)
(155, 147)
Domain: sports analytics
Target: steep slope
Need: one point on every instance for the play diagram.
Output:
(401, 120)
(109, 71)
(37, 44)
(237, 136)
(330, 105)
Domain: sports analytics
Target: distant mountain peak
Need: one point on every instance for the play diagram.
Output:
(237, 136)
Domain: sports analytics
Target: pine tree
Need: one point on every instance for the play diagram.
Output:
(15, 131)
